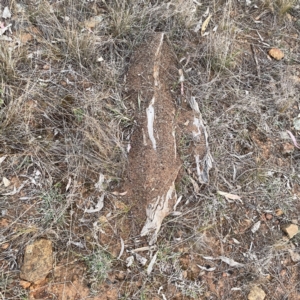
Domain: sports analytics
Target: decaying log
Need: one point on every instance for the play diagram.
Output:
(153, 161)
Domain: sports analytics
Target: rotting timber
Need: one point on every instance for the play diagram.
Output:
(153, 160)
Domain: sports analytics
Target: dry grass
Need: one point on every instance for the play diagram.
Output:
(64, 120)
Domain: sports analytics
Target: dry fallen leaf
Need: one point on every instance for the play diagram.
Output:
(129, 261)
(15, 190)
(122, 248)
(255, 227)
(6, 182)
(3, 29)
(151, 264)
(226, 260)
(142, 260)
(205, 24)
(100, 184)
(198, 26)
(208, 269)
(6, 13)
(119, 194)
(230, 262)
(2, 159)
(98, 206)
(229, 196)
(293, 139)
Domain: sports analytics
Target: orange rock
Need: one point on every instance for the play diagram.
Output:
(279, 212)
(3, 222)
(25, 284)
(276, 53)
(287, 148)
(256, 293)
(291, 230)
(38, 261)
(5, 246)
(269, 216)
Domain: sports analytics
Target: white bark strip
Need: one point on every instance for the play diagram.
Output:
(150, 120)
(160, 45)
(156, 212)
(175, 148)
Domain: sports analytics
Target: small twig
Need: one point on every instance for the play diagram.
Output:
(256, 61)
(181, 80)
(293, 139)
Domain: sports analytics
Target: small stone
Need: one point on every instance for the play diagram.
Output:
(25, 284)
(276, 53)
(269, 217)
(283, 272)
(291, 230)
(294, 256)
(93, 22)
(256, 293)
(5, 246)
(4, 223)
(25, 38)
(121, 205)
(287, 148)
(279, 212)
(268, 277)
(38, 261)
(120, 276)
(103, 219)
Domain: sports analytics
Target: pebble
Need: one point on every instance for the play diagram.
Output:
(25, 284)
(256, 293)
(276, 53)
(290, 229)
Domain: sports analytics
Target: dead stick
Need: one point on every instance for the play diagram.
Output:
(256, 61)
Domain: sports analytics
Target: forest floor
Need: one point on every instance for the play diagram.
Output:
(65, 124)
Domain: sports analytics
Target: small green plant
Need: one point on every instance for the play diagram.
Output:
(99, 264)
(191, 289)
(282, 7)
(79, 114)
(52, 206)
